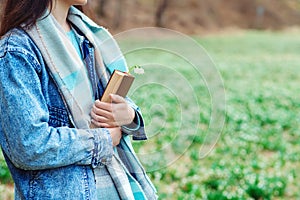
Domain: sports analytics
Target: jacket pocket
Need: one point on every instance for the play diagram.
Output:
(58, 117)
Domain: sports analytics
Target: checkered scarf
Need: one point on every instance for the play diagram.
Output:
(66, 67)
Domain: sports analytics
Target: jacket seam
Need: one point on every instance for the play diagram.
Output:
(3, 53)
(86, 183)
(28, 54)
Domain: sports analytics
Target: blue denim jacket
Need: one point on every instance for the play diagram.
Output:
(48, 158)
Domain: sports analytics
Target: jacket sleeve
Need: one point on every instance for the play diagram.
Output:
(26, 136)
(136, 128)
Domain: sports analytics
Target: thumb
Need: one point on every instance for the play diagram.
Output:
(117, 98)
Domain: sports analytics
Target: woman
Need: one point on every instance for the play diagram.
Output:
(54, 64)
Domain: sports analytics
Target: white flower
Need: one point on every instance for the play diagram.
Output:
(138, 70)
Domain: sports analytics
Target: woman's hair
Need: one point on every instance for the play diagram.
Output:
(22, 12)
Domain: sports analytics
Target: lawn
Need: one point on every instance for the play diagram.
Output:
(257, 154)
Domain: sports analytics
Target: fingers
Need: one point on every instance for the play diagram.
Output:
(99, 114)
(98, 105)
(117, 99)
(104, 125)
(103, 121)
(111, 114)
(108, 110)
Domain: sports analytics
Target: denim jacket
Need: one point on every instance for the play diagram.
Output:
(47, 157)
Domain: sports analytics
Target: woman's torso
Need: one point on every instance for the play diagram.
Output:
(70, 182)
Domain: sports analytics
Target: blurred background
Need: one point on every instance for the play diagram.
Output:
(197, 16)
(255, 46)
(194, 16)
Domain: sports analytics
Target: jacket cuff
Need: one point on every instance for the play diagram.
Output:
(136, 128)
(103, 150)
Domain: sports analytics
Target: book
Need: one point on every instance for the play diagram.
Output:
(119, 83)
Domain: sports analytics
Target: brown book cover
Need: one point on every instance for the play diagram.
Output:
(119, 83)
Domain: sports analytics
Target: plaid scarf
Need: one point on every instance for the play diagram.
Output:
(68, 71)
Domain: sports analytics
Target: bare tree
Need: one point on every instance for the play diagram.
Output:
(118, 14)
(101, 8)
(162, 6)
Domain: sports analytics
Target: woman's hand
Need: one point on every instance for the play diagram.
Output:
(115, 114)
(116, 135)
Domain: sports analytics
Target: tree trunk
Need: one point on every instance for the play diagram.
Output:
(118, 14)
(101, 8)
(162, 6)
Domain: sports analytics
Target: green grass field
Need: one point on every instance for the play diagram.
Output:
(258, 153)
